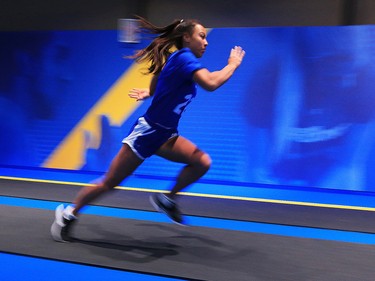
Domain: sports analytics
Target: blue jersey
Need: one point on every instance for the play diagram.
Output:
(174, 90)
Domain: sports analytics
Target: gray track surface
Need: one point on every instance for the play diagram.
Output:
(192, 253)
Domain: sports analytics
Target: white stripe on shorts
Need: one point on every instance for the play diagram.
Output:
(138, 131)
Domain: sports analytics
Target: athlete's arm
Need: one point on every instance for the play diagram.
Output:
(144, 93)
(210, 81)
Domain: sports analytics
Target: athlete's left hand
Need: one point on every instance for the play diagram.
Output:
(139, 93)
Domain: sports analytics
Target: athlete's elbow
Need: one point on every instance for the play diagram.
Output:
(210, 89)
(208, 80)
(211, 86)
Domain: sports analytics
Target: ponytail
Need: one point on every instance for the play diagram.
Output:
(158, 51)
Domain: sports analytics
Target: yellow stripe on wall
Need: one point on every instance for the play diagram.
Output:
(115, 104)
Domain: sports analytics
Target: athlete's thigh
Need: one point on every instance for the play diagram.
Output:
(122, 165)
(180, 149)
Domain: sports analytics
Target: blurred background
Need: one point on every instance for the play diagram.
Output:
(300, 112)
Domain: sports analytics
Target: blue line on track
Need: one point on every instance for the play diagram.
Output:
(273, 229)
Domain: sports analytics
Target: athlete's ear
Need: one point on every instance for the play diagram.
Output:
(186, 37)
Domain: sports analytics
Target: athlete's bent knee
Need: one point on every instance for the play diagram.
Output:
(205, 161)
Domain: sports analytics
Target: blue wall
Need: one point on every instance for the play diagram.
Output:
(299, 111)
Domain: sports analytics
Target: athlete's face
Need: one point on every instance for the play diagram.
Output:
(197, 41)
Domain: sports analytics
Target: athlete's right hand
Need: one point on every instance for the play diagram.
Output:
(139, 93)
(236, 56)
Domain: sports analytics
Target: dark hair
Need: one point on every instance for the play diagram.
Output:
(168, 37)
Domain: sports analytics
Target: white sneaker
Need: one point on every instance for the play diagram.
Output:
(61, 225)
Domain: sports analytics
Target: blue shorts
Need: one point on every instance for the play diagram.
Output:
(146, 138)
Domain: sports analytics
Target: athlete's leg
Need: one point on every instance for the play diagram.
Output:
(180, 149)
(122, 166)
